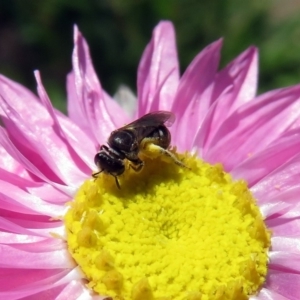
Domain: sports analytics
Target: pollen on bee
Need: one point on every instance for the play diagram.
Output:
(152, 150)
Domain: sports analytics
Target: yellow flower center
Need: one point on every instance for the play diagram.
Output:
(169, 233)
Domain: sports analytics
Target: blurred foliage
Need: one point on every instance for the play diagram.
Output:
(38, 35)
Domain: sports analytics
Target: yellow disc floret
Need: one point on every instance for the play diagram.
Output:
(169, 233)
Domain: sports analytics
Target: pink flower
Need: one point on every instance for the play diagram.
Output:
(46, 156)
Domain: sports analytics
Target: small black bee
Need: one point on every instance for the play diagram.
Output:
(128, 141)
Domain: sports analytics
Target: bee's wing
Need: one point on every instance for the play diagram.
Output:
(152, 119)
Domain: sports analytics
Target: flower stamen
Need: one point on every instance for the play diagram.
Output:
(169, 233)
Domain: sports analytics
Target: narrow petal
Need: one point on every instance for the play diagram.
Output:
(73, 289)
(43, 147)
(284, 261)
(101, 113)
(276, 208)
(286, 244)
(193, 98)
(33, 244)
(48, 193)
(242, 74)
(259, 165)
(284, 227)
(13, 92)
(8, 163)
(13, 195)
(6, 225)
(234, 86)
(16, 179)
(266, 294)
(80, 142)
(23, 277)
(28, 164)
(14, 258)
(31, 225)
(59, 279)
(49, 294)
(263, 120)
(75, 106)
(158, 71)
(285, 284)
(78, 291)
(284, 178)
(75, 140)
(12, 238)
(127, 100)
(290, 197)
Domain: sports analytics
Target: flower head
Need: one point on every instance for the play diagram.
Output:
(165, 217)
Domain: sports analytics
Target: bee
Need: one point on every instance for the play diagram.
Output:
(127, 142)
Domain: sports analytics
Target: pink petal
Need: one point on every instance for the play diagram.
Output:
(284, 227)
(276, 208)
(73, 289)
(127, 100)
(45, 245)
(289, 197)
(286, 244)
(269, 159)
(242, 74)
(19, 157)
(294, 212)
(15, 179)
(12, 238)
(77, 290)
(48, 193)
(75, 106)
(18, 259)
(193, 98)
(49, 294)
(77, 142)
(101, 113)
(39, 189)
(6, 225)
(158, 71)
(80, 142)
(23, 277)
(59, 279)
(13, 92)
(284, 261)
(32, 243)
(284, 178)
(266, 294)
(285, 284)
(254, 126)
(43, 147)
(234, 86)
(8, 163)
(31, 204)
(39, 226)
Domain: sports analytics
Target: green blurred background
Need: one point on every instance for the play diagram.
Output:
(38, 35)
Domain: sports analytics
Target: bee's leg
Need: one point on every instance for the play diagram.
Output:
(137, 165)
(151, 150)
(117, 181)
(95, 175)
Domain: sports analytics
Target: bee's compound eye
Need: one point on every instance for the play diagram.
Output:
(97, 159)
(108, 162)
